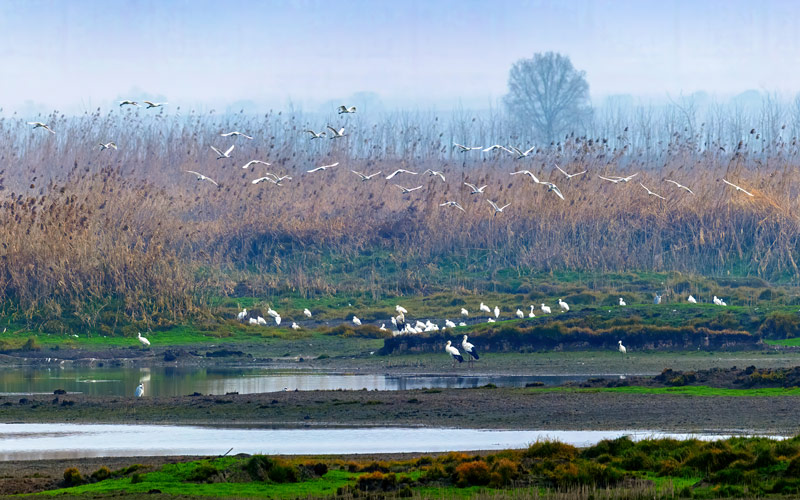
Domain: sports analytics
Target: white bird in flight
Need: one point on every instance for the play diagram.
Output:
(201, 177)
(254, 162)
(128, 103)
(569, 176)
(528, 172)
(498, 210)
(651, 193)
(452, 204)
(408, 190)
(399, 171)
(475, 189)
(464, 149)
(154, 104)
(497, 146)
(315, 135)
(226, 154)
(365, 177)
(680, 185)
(41, 125)
(336, 133)
(434, 173)
(265, 178)
(324, 167)
(522, 154)
(737, 187)
(552, 187)
(345, 109)
(616, 180)
(108, 145)
(234, 133)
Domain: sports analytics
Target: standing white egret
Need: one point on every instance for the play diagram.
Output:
(452, 351)
(139, 391)
(226, 154)
(449, 324)
(464, 312)
(531, 314)
(737, 187)
(277, 320)
(235, 133)
(692, 300)
(272, 312)
(242, 315)
(496, 312)
(400, 309)
(307, 313)
(657, 299)
(621, 347)
(520, 314)
(142, 340)
(563, 305)
(622, 302)
(252, 321)
(261, 321)
(356, 321)
(470, 349)
(485, 308)
(545, 309)
(295, 326)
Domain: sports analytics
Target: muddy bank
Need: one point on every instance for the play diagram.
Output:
(727, 378)
(477, 408)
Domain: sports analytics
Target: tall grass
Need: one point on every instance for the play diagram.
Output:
(85, 231)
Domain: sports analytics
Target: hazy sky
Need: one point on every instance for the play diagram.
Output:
(76, 55)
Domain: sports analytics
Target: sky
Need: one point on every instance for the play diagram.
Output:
(414, 54)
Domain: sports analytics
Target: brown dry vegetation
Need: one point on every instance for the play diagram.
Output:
(84, 230)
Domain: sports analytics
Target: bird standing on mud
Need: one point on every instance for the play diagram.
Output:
(452, 351)
(470, 350)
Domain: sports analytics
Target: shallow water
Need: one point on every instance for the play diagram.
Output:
(180, 381)
(45, 441)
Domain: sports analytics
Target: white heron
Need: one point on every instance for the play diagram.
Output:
(520, 314)
(563, 305)
(528, 173)
(399, 171)
(522, 154)
(434, 173)
(406, 190)
(127, 102)
(452, 204)
(461, 323)
(226, 154)
(692, 300)
(108, 145)
(255, 162)
(235, 133)
(452, 351)
(496, 147)
(154, 104)
(569, 176)
(449, 324)
(531, 314)
(252, 321)
(621, 347)
(545, 309)
(356, 321)
(315, 135)
(201, 177)
(261, 321)
(498, 210)
(485, 308)
(496, 312)
(336, 133)
(475, 189)
(307, 312)
(617, 180)
(266, 178)
(345, 109)
(552, 187)
(323, 167)
(679, 185)
(400, 309)
(622, 302)
(737, 187)
(272, 312)
(469, 349)
(142, 340)
(464, 149)
(657, 299)
(139, 391)
(277, 320)
(464, 312)
(490, 320)
(295, 326)
(650, 193)
(383, 327)
(41, 125)
(365, 177)
(242, 315)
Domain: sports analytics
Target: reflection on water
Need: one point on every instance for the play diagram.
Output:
(43, 441)
(180, 381)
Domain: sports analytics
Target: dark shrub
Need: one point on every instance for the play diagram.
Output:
(101, 473)
(377, 481)
(203, 473)
(472, 474)
(72, 476)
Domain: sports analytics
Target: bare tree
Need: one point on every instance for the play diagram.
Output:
(549, 94)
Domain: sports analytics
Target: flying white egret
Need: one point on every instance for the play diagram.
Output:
(650, 193)
(254, 162)
(452, 351)
(345, 109)
(469, 349)
(41, 125)
(531, 314)
(139, 391)
(552, 187)
(128, 103)
(356, 321)
(336, 133)
(737, 187)
(226, 154)
(201, 177)
(520, 314)
(464, 312)
(235, 133)
(295, 326)
(680, 185)
(452, 204)
(400, 309)
(365, 177)
(464, 149)
(497, 146)
(324, 167)
(563, 305)
(692, 300)
(621, 347)
(545, 309)
(434, 173)
(522, 154)
(475, 189)
(142, 340)
(498, 210)
(496, 312)
(307, 313)
(529, 173)
(108, 145)
(485, 308)
(569, 176)
(399, 171)
(265, 178)
(315, 135)
(408, 190)
(616, 180)
(622, 302)
(154, 104)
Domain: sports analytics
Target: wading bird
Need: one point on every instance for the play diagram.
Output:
(128, 103)
(356, 321)
(452, 351)
(408, 190)
(563, 305)
(433, 173)
(226, 154)
(400, 309)
(41, 125)
(569, 176)
(307, 313)
(261, 321)
(475, 189)
(201, 177)
(235, 133)
(295, 326)
(142, 340)
(108, 145)
(621, 347)
(154, 104)
(680, 185)
(365, 177)
(399, 171)
(498, 210)
(650, 193)
(531, 314)
(464, 149)
(345, 109)
(452, 204)
(336, 133)
(496, 312)
(324, 167)
(552, 187)
(528, 172)
(464, 312)
(737, 187)
(242, 315)
(485, 308)
(255, 162)
(139, 391)
(546, 309)
(522, 154)
(692, 300)
(315, 135)
(470, 349)
(622, 302)
(520, 314)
